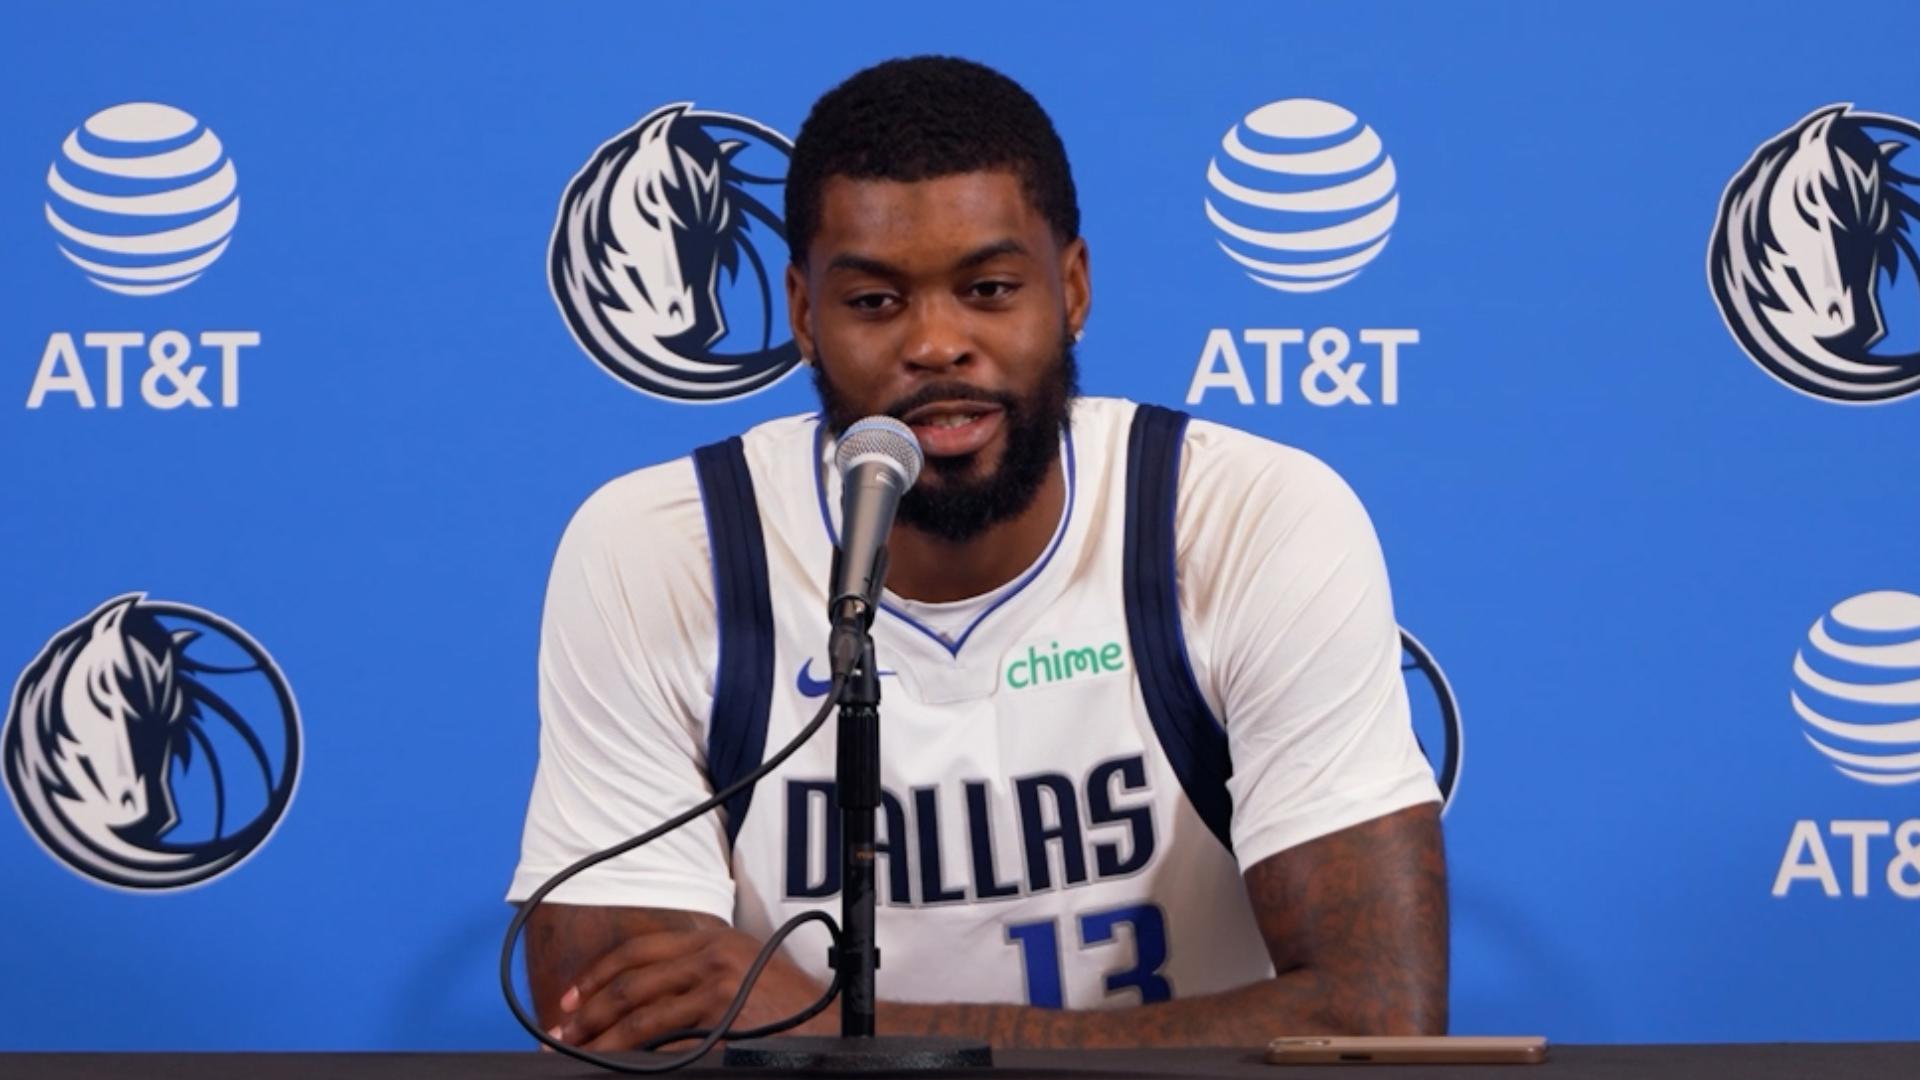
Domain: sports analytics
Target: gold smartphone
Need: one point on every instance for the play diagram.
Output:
(1407, 1050)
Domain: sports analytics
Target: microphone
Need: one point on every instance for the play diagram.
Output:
(878, 459)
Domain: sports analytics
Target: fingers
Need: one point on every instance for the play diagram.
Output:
(634, 992)
(655, 983)
(637, 951)
(662, 1016)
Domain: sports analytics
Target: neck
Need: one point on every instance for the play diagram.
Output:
(935, 571)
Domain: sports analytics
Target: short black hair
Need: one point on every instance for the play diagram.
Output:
(924, 117)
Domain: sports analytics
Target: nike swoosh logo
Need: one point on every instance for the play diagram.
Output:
(812, 687)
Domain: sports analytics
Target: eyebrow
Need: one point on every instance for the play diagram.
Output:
(879, 268)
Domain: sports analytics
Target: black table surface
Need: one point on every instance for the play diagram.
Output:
(1760, 1061)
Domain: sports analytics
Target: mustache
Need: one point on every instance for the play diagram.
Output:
(952, 391)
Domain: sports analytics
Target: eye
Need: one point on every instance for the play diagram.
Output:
(86, 766)
(870, 302)
(993, 290)
(1793, 276)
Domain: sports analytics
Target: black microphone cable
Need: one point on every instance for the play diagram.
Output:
(708, 1037)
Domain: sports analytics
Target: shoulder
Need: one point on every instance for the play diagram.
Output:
(1214, 457)
(631, 575)
(660, 511)
(638, 544)
(1243, 489)
(1262, 527)
(1217, 456)
(785, 442)
(1233, 485)
(1102, 419)
(655, 510)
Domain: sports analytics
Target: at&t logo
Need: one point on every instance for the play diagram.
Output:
(1857, 685)
(1302, 196)
(1856, 689)
(143, 198)
(1325, 203)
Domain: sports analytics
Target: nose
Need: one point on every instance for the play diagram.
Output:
(936, 336)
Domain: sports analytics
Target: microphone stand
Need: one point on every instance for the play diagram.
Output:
(858, 1049)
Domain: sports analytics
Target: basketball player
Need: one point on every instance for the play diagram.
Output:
(1150, 776)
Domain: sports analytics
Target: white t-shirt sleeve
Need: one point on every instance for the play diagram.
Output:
(1293, 639)
(627, 643)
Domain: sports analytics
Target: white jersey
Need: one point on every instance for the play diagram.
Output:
(1040, 842)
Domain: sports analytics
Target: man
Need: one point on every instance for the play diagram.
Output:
(1150, 777)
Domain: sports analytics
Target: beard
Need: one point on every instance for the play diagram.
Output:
(960, 504)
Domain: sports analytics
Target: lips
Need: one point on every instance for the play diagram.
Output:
(954, 428)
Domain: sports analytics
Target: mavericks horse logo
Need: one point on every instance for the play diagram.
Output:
(151, 745)
(641, 242)
(1810, 233)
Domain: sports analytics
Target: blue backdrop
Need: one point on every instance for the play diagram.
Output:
(1612, 527)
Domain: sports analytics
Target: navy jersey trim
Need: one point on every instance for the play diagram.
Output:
(1194, 741)
(1059, 535)
(743, 602)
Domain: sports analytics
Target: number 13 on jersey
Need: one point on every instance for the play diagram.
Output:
(1039, 944)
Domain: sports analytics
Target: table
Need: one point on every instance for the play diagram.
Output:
(1778, 1061)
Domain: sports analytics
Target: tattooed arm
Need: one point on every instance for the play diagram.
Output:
(1356, 923)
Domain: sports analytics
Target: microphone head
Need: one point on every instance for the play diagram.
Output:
(884, 437)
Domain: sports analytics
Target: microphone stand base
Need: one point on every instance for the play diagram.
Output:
(859, 1054)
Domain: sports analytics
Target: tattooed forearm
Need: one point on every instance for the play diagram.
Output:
(1365, 909)
(1356, 924)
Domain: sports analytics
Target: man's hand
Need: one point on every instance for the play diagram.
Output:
(670, 978)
